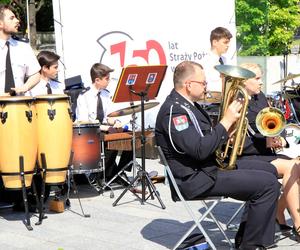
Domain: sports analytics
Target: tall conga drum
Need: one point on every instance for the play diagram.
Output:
(54, 129)
(18, 137)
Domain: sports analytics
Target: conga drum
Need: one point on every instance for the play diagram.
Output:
(86, 147)
(54, 129)
(18, 136)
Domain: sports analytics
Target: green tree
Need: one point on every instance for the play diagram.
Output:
(266, 27)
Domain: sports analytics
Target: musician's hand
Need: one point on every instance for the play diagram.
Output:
(283, 142)
(112, 121)
(232, 114)
(274, 142)
(118, 124)
(231, 132)
(20, 90)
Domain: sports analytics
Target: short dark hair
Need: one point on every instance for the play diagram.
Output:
(219, 33)
(99, 70)
(183, 70)
(4, 7)
(47, 58)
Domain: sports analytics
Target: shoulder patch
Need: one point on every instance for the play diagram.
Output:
(181, 122)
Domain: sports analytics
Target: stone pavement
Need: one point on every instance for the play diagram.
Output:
(129, 225)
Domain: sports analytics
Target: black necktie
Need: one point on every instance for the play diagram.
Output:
(49, 90)
(100, 111)
(221, 61)
(9, 78)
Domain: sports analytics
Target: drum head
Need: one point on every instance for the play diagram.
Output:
(14, 99)
(86, 124)
(51, 97)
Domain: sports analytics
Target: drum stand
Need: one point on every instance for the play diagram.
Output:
(134, 163)
(70, 179)
(22, 174)
(142, 175)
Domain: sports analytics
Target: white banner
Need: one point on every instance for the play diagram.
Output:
(119, 33)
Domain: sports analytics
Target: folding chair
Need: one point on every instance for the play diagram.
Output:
(204, 202)
(229, 224)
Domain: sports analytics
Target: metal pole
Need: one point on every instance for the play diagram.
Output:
(28, 20)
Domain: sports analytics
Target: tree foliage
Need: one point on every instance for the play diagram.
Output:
(40, 16)
(266, 27)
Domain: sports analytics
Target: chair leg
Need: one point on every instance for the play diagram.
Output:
(217, 222)
(230, 226)
(197, 224)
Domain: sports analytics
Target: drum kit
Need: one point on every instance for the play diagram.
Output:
(288, 101)
(40, 138)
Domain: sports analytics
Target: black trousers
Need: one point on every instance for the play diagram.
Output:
(254, 182)
(111, 167)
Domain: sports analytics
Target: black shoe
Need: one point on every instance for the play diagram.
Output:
(283, 227)
(296, 234)
(239, 235)
(252, 248)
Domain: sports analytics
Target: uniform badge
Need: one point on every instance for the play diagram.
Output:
(181, 122)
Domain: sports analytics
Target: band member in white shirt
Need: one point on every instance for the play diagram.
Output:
(48, 84)
(94, 105)
(220, 41)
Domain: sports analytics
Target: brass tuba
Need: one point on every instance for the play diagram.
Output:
(234, 78)
(270, 122)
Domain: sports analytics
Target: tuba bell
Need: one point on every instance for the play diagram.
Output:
(270, 122)
(233, 89)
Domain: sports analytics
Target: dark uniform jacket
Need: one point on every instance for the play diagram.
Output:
(256, 143)
(190, 155)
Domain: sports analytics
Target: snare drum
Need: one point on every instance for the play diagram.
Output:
(18, 137)
(54, 126)
(86, 147)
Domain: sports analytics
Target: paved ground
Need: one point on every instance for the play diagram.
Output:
(129, 225)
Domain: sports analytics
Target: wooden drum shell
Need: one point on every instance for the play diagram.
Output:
(54, 135)
(18, 135)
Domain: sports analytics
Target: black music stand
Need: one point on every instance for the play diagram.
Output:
(140, 83)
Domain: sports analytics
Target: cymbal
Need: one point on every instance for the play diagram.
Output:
(133, 109)
(211, 97)
(288, 77)
(235, 71)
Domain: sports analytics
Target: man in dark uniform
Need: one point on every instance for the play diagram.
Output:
(185, 134)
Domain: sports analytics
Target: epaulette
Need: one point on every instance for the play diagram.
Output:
(20, 39)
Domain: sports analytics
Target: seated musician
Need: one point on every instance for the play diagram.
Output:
(259, 147)
(49, 69)
(188, 140)
(95, 104)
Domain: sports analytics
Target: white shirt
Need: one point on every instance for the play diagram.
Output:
(23, 62)
(214, 81)
(86, 110)
(41, 89)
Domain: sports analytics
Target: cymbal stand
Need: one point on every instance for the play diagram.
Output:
(134, 163)
(142, 175)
